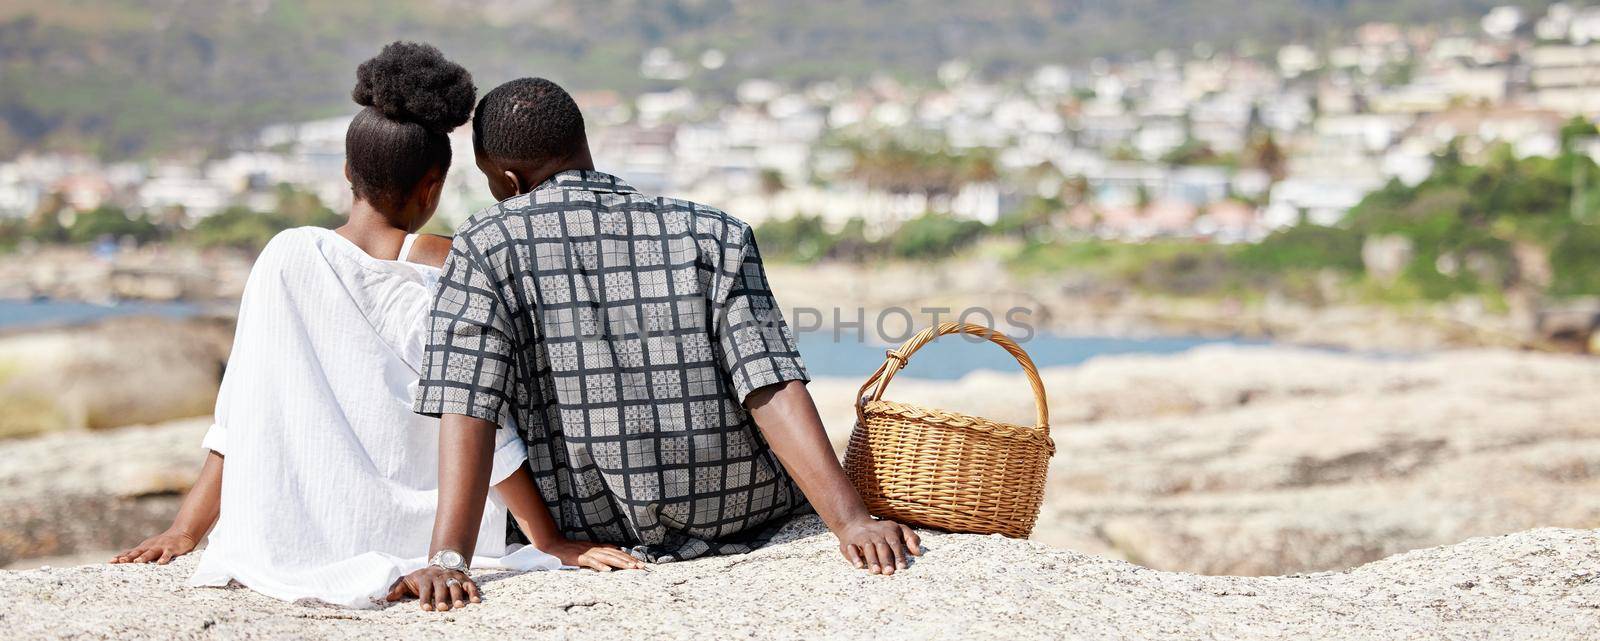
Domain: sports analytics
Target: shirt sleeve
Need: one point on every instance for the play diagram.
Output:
(216, 438)
(246, 341)
(467, 364)
(758, 348)
(510, 452)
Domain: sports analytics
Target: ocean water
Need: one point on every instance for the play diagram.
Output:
(38, 313)
(848, 355)
(954, 356)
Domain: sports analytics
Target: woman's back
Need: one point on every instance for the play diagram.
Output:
(330, 483)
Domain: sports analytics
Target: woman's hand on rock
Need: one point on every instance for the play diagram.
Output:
(879, 547)
(595, 556)
(160, 549)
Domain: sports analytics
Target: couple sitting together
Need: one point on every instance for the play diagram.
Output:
(613, 364)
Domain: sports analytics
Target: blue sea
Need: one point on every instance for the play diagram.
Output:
(40, 313)
(951, 357)
(848, 355)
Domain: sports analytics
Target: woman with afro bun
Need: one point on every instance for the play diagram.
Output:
(320, 481)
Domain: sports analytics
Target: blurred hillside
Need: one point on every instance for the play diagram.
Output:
(123, 78)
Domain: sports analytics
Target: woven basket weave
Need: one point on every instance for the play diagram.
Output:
(946, 470)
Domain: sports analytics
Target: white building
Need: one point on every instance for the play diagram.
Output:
(180, 186)
(1319, 201)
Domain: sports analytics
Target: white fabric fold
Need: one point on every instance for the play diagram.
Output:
(329, 480)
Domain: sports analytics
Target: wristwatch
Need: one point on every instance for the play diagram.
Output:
(449, 560)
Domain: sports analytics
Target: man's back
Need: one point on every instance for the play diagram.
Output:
(621, 333)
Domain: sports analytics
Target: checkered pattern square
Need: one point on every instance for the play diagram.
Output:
(621, 334)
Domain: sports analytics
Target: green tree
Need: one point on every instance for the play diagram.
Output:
(1473, 214)
(1033, 216)
(851, 243)
(107, 222)
(1574, 130)
(238, 228)
(800, 238)
(898, 166)
(934, 236)
(1304, 247)
(1264, 153)
(1195, 152)
(302, 208)
(771, 182)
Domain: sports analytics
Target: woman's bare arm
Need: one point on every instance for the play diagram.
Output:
(195, 518)
(533, 516)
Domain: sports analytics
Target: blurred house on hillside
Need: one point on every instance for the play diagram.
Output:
(1220, 144)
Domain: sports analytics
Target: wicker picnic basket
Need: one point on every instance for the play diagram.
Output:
(944, 470)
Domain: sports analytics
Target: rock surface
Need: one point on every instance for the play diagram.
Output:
(1223, 460)
(88, 492)
(1542, 584)
(112, 373)
(1238, 460)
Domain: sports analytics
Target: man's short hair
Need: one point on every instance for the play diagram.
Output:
(529, 119)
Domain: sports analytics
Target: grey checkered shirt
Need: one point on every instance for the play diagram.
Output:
(621, 334)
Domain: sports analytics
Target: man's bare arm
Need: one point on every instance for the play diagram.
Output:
(466, 460)
(466, 452)
(788, 418)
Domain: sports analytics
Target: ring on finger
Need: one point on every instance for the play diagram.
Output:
(452, 581)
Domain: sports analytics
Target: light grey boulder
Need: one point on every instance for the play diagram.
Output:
(1540, 584)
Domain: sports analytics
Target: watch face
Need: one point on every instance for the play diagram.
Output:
(450, 558)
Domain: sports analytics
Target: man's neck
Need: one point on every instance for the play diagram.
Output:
(581, 162)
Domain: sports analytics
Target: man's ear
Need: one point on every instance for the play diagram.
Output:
(516, 182)
(347, 173)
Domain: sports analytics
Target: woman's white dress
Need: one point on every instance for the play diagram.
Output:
(329, 480)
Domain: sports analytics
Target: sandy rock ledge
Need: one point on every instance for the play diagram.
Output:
(1539, 584)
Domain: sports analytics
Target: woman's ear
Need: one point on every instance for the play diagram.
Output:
(435, 192)
(347, 173)
(424, 201)
(432, 196)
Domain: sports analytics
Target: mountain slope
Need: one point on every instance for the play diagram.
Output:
(125, 77)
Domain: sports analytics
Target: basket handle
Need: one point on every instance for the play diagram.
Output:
(896, 359)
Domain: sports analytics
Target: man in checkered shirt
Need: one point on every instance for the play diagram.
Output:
(633, 341)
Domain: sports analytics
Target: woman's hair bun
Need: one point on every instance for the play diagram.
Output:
(413, 82)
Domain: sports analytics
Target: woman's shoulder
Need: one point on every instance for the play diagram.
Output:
(430, 250)
(286, 244)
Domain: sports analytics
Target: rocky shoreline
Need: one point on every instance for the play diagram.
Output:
(110, 373)
(1062, 303)
(154, 272)
(1540, 584)
(125, 371)
(1222, 460)
(1069, 304)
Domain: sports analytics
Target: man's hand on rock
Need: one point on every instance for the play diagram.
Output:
(439, 589)
(879, 547)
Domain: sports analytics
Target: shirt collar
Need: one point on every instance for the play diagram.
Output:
(589, 180)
